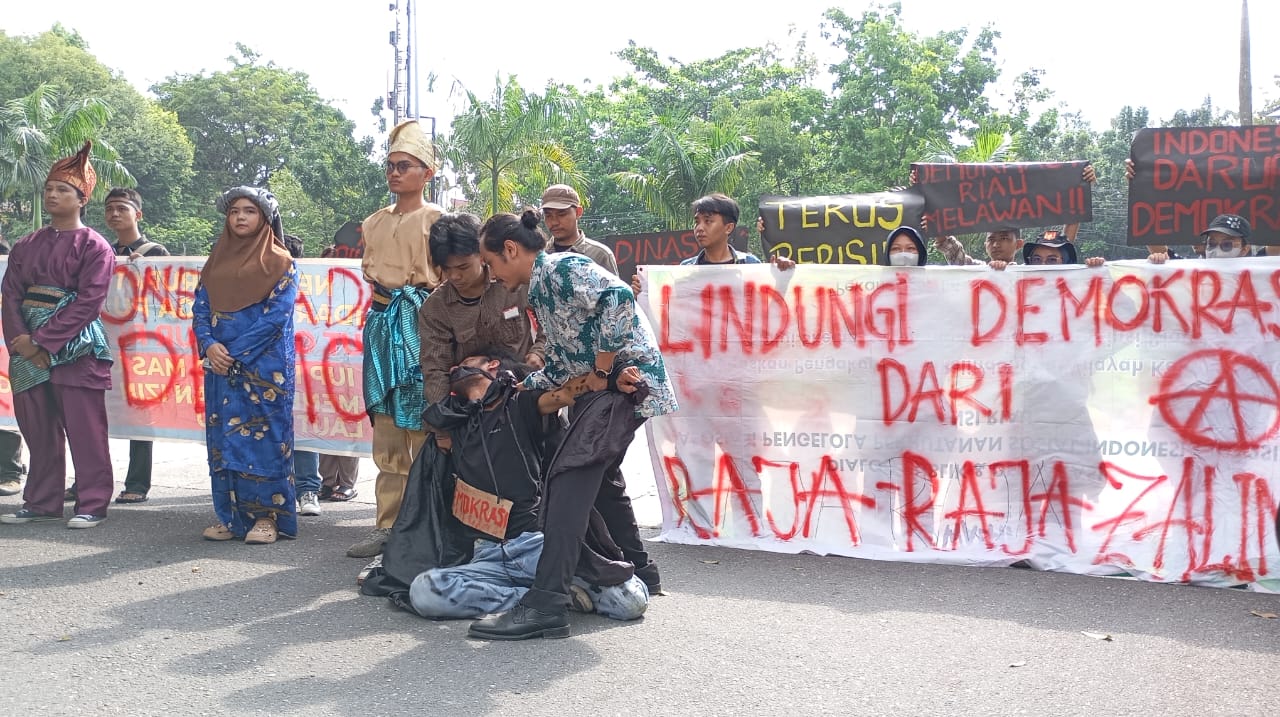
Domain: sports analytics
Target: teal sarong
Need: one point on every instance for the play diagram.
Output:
(40, 305)
(392, 367)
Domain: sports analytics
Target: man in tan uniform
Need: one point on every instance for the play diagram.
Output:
(398, 265)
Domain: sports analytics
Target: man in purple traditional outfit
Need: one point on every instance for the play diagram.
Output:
(59, 360)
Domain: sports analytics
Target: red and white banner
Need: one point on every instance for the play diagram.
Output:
(1098, 421)
(158, 383)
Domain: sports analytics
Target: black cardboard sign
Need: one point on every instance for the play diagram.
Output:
(632, 250)
(1186, 176)
(836, 229)
(984, 197)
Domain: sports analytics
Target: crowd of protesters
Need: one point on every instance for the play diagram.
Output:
(502, 366)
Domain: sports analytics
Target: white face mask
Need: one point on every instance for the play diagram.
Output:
(903, 258)
(1214, 252)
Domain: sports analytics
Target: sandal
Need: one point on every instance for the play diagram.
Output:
(263, 532)
(344, 494)
(131, 497)
(326, 492)
(217, 532)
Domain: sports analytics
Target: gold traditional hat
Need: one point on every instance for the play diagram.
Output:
(409, 138)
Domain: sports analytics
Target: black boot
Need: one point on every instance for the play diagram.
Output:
(649, 575)
(521, 623)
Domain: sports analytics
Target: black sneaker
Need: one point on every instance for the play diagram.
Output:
(27, 516)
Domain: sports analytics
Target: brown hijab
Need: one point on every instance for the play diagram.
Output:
(242, 272)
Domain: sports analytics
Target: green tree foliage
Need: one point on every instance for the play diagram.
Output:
(150, 142)
(699, 88)
(896, 91)
(251, 121)
(1203, 116)
(302, 217)
(757, 91)
(159, 154)
(606, 136)
(41, 128)
(1108, 232)
(688, 158)
(510, 141)
(186, 235)
(793, 147)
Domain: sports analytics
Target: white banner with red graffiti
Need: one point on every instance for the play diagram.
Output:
(157, 380)
(1099, 421)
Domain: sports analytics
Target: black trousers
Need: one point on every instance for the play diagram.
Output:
(567, 502)
(11, 467)
(138, 479)
(614, 505)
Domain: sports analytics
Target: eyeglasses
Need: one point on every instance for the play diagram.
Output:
(402, 167)
(1224, 244)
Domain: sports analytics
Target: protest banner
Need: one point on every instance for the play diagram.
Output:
(1186, 176)
(1096, 421)
(837, 229)
(632, 250)
(348, 242)
(157, 380)
(984, 197)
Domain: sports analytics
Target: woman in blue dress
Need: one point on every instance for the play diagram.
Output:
(243, 321)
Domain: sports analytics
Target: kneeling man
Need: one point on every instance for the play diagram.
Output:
(500, 434)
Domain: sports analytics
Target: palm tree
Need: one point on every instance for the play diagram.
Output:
(990, 144)
(510, 140)
(687, 158)
(41, 128)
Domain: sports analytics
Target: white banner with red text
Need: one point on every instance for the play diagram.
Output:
(1099, 421)
(157, 381)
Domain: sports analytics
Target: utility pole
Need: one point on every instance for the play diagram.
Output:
(397, 96)
(403, 98)
(1246, 81)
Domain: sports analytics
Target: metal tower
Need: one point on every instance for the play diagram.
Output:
(403, 96)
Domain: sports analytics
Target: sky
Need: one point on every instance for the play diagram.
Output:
(1098, 55)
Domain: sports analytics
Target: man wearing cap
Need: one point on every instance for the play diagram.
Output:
(1227, 237)
(397, 264)
(59, 360)
(561, 209)
(1051, 248)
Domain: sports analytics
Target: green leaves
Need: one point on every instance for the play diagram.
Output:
(511, 142)
(687, 158)
(898, 92)
(41, 128)
(253, 120)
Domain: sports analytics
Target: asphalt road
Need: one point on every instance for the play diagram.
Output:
(142, 617)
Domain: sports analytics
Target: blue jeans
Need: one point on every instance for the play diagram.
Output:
(500, 574)
(306, 472)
